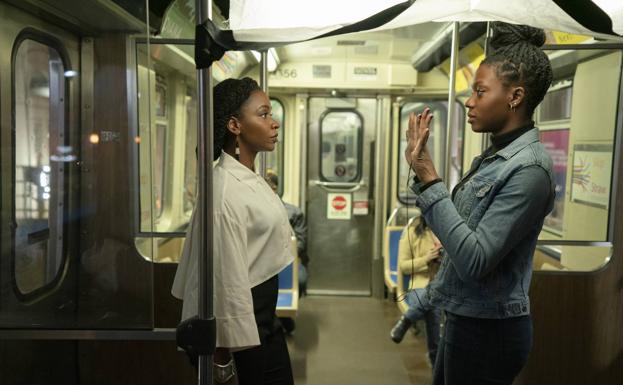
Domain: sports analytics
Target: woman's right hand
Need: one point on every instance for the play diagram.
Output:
(433, 253)
(416, 152)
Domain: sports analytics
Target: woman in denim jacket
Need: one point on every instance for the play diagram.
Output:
(490, 224)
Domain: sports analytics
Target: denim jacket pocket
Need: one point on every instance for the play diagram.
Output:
(482, 189)
(471, 195)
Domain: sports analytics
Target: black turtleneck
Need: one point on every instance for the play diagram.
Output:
(497, 143)
(501, 141)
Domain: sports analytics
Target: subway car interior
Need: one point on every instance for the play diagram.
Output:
(99, 106)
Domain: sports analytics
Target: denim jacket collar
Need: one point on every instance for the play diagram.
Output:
(519, 143)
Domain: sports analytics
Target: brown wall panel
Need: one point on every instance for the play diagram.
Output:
(115, 282)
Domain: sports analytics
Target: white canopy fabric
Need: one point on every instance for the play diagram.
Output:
(537, 13)
(298, 20)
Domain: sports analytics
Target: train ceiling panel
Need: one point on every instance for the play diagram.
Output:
(396, 45)
(89, 17)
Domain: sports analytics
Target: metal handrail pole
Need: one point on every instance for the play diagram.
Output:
(205, 142)
(264, 86)
(454, 58)
(486, 137)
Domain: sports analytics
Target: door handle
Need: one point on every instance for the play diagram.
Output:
(338, 186)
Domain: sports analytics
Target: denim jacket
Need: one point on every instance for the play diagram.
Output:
(489, 230)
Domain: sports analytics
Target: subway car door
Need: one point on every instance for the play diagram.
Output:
(38, 115)
(340, 215)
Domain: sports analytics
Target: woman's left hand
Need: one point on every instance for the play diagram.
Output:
(417, 154)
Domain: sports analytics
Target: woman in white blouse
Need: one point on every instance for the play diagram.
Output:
(251, 240)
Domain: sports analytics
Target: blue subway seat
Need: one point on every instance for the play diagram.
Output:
(285, 300)
(286, 277)
(288, 298)
(390, 254)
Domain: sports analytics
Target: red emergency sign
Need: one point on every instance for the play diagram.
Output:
(339, 203)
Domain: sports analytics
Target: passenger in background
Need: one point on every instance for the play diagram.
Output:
(418, 256)
(251, 242)
(299, 225)
(489, 228)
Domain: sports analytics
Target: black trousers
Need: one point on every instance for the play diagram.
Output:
(269, 363)
(475, 351)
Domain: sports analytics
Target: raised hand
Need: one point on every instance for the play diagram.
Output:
(416, 153)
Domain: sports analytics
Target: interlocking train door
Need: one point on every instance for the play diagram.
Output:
(340, 194)
(38, 114)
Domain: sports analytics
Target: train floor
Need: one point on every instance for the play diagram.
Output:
(345, 341)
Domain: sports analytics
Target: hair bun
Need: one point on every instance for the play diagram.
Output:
(505, 34)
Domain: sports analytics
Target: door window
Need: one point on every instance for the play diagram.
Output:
(274, 159)
(340, 146)
(39, 158)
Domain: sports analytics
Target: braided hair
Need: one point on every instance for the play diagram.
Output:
(229, 96)
(518, 60)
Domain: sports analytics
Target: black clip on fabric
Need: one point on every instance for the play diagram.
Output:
(197, 336)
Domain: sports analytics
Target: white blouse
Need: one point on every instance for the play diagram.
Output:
(251, 245)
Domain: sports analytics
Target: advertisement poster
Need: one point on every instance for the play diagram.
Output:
(592, 168)
(556, 144)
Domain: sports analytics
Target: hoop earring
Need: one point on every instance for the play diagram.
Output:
(512, 107)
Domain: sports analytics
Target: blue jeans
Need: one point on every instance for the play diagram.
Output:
(420, 308)
(302, 279)
(476, 351)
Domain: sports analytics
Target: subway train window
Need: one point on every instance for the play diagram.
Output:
(553, 116)
(274, 159)
(190, 158)
(160, 139)
(557, 102)
(167, 142)
(577, 122)
(167, 110)
(39, 176)
(341, 141)
(436, 146)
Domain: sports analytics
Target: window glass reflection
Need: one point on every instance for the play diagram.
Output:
(557, 103)
(274, 159)
(167, 106)
(39, 165)
(190, 159)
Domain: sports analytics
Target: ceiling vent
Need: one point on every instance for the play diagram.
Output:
(351, 42)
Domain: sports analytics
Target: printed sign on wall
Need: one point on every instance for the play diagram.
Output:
(339, 206)
(592, 168)
(360, 207)
(556, 144)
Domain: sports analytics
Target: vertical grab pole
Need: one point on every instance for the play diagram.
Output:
(264, 86)
(485, 137)
(454, 58)
(205, 142)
